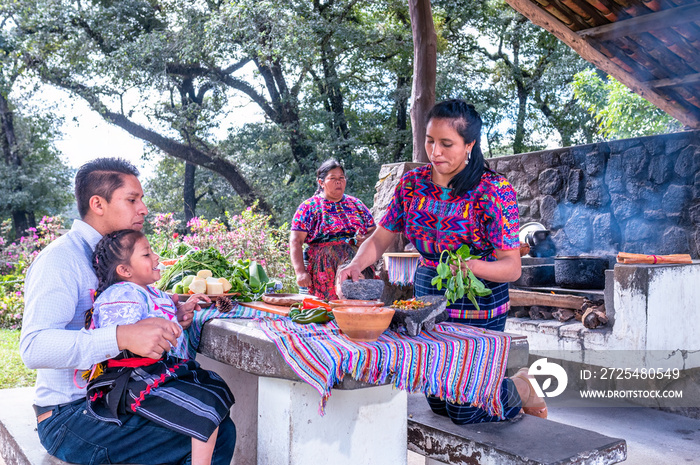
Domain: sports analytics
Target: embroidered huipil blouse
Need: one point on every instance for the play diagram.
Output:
(327, 221)
(433, 219)
(126, 303)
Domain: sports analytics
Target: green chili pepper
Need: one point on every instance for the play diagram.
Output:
(294, 312)
(311, 315)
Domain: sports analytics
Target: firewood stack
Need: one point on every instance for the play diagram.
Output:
(542, 306)
(593, 314)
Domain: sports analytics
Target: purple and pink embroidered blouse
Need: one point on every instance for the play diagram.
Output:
(326, 221)
(434, 219)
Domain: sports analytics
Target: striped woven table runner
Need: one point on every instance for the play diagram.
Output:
(193, 334)
(455, 362)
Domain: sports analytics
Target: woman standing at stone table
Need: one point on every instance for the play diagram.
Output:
(453, 201)
(333, 225)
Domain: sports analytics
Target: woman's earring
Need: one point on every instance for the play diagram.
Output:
(469, 156)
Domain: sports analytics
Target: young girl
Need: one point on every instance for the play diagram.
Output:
(173, 392)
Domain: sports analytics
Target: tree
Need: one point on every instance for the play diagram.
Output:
(36, 182)
(33, 180)
(619, 112)
(163, 73)
(211, 193)
(515, 72)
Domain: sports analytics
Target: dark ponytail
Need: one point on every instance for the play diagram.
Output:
(466, 121)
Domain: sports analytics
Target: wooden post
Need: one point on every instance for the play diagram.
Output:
(424, 71)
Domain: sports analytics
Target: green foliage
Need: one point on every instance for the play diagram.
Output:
(330, 79)
(619, 112)
(515, 73)
(42, 183)
(164, 192)
(13, 372)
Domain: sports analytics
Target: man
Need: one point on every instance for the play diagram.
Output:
(58, 290)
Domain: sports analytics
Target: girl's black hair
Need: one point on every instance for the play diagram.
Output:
(325, 168)
(467, 122)
(114, 249)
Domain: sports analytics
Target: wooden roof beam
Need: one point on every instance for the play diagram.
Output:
(581, 46)
(645, 23)
(679, 81)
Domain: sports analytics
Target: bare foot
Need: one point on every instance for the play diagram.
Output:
(532, 404)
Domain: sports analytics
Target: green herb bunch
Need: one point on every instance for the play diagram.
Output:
(458, 284)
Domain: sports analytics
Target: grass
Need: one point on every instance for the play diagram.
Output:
(13, 373)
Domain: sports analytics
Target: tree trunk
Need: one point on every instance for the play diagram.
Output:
(189, 192)
(401, 105)
(21, 222)
(334, 94)
(424, 72)
(286, 114)
(21, 218)
(9, 141)
(518, 140)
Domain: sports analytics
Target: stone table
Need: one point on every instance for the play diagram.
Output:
(276, 413)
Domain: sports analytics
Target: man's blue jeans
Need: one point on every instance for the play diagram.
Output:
(73, 435)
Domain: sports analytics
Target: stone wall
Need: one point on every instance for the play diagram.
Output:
(389, 177)
(637, 195)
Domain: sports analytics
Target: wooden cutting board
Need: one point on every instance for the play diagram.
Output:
(265, 307)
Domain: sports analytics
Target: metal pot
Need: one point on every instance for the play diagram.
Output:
(536, 236)
(582, 272)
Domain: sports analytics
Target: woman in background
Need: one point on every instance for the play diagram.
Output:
(333, 225)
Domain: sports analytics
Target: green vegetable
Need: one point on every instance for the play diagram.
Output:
(310, 315)
(178, 289)
(247, 277)
(186, 281)
(457, 285)
(176, 278)
(256, 275)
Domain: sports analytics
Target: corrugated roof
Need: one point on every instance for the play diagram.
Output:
(651, 46)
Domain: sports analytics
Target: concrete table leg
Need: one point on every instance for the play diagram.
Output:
(363, 426)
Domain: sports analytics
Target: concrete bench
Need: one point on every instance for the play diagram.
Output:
(528, 440)
(19, 443)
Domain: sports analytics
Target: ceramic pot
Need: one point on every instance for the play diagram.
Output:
(355, 303)
(364, 324)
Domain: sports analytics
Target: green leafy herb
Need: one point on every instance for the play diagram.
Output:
(458, 284)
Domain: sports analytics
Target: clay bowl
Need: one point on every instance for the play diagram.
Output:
(364, 324)
(355, 303)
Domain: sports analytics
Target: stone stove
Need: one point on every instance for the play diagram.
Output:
(653, 309)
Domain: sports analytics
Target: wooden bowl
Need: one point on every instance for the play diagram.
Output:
(356, 303)
(364, 324)
(285, 299)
